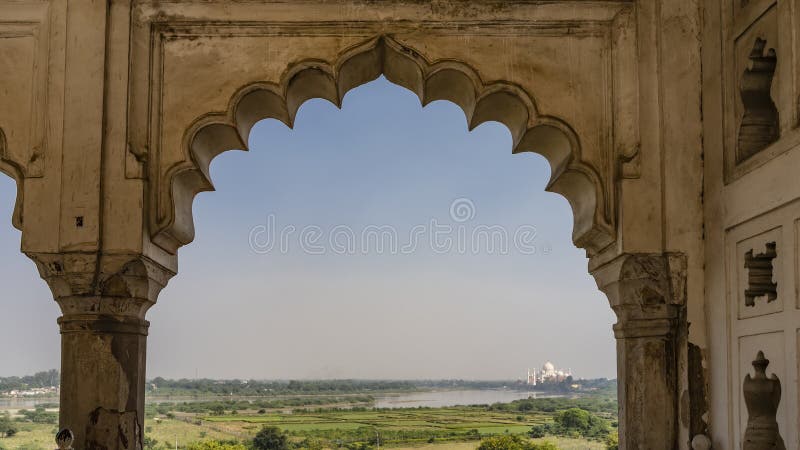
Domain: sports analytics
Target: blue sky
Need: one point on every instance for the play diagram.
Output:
(237, 310)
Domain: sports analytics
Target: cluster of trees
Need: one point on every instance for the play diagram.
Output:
(514, 442)
(605, 405)
(39, 415)
(37, 380)
(9, 427)
(574, 422)
(222, 407)
(599, 385)
(256, 387)
(261, 388)
(570, 384)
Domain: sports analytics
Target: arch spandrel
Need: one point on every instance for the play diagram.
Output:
(25, 51)
(9, 168)
(538, 78)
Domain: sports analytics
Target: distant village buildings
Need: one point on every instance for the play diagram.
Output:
(547, 374)
(31, 392)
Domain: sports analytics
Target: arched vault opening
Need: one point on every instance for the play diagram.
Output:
(387, 165)
(15, 172)
(441, 80)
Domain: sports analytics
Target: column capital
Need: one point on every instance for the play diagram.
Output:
(104, 298)
(647, 291)
(88, 286)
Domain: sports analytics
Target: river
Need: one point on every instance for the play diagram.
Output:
(432, 399)
(439, 399)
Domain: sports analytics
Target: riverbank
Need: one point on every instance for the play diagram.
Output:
(434, 398)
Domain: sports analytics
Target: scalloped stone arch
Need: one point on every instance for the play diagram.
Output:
(450, 80)
(9, 168)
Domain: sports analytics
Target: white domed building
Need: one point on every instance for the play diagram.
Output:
(547, 374)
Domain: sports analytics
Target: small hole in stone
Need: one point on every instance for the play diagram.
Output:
(79, 221)
(759, 275)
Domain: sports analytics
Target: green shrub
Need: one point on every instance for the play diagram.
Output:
(150, 443)
(612, 441)
(271, 438)
(505, 442)
(576, 422)
(538, 431)
(215, 445)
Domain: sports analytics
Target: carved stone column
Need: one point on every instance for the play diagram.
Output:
(647, 293)
(103, 343)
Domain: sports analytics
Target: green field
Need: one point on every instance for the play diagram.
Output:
(444, 420)
(347, 421)
(458, 428)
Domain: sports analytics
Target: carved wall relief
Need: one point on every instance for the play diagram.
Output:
(759, 125)
(760, 87)
(762, 262)
(755, 408)
(762, 395)
(759, 260)
(760, 276)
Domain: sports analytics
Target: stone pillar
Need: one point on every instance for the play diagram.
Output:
(648, 295)
(102, 383)
(103, 344)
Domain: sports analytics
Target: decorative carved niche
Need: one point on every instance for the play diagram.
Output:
(759, 125)
(762, 396)
(760, 275)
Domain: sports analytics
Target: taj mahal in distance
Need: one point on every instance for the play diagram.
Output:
(547, 374)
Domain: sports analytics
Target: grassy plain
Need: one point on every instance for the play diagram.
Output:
(401, 429)
(345, 420)
(561, 443)
(444, 422)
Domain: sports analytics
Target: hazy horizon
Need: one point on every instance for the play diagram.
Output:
(277, 380)
(248, 304)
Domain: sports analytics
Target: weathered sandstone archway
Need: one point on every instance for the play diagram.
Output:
(443, 80)
(121, 106)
